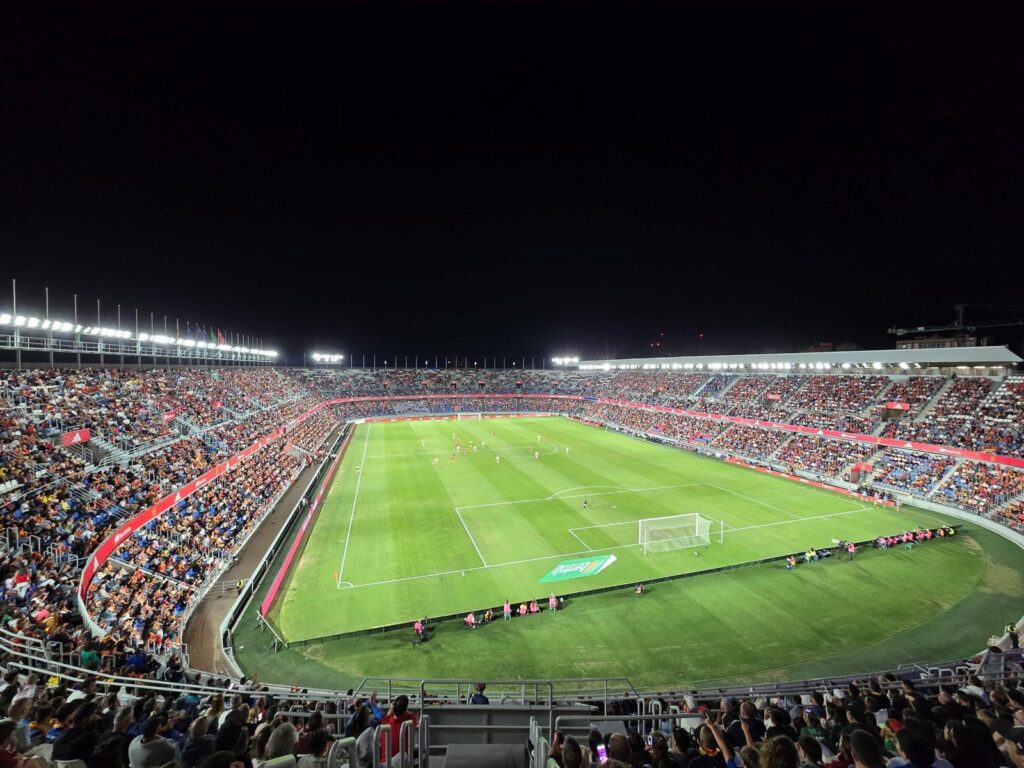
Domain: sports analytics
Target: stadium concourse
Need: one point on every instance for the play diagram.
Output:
(127, 494)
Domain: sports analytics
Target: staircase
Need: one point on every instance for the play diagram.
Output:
(844, 473)
(105, 453)
(945, 477)
(1018, 498)
(924, 412)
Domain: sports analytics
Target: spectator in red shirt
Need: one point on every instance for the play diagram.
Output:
(397, 714)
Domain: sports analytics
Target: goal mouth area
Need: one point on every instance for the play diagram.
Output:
(683, 531)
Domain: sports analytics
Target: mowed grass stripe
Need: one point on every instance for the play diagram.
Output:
(934, 603)
(409, 554)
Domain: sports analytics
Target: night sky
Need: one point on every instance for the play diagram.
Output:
(516, 179)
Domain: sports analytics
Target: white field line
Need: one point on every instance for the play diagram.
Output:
(579, 496)
(352, 514)
(587, 551)
(581, 541)
(758, 501)
(528, 448)
(556, 494)
(471, 539)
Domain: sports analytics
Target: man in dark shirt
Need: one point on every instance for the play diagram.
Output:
(118, 735)
(78, 741)
(748, 714)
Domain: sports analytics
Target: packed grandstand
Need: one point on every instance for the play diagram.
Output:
(127, 493)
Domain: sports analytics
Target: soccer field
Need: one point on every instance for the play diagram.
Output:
(409, 531)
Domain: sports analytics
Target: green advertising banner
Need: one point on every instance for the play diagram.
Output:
(576, 569)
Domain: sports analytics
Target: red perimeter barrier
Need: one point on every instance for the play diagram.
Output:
(283, 570)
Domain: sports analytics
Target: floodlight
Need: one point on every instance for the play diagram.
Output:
(5, 319)
(19, 321)
(877, 366)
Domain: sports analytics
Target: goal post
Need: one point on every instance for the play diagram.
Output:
(663, 534)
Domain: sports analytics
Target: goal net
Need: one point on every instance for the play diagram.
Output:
(463, 416)
(662, 534)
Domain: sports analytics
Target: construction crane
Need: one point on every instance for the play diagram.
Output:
(959, 328)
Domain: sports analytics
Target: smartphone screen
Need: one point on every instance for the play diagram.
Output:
(602, 753)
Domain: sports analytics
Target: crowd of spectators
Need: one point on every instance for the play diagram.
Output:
(822, 455)
(915, 391)
(851, 394)
(910, 471)
(884, 721)
(57, 504)
(754, 442)
(142, 593)
(979, 487)
(1012, 514)
(948, 418)
(835, 420)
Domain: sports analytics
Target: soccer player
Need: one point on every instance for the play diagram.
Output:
(536, 454)
(586, 503)
(567, 450)
(497, 459)
(435, 461)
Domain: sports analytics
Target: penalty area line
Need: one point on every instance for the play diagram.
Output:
(588, 551)
(471, 539)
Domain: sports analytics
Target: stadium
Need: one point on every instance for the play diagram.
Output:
(192, 516)
(511, 385)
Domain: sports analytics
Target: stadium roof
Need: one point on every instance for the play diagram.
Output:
(906, 359)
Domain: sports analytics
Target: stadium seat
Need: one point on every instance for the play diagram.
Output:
(339, 752)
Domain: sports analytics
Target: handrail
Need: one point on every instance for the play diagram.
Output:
(381, 730)
(423, 736)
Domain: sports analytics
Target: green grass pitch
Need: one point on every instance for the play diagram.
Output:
(403, 537)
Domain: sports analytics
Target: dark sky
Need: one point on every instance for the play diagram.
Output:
(517, 178)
